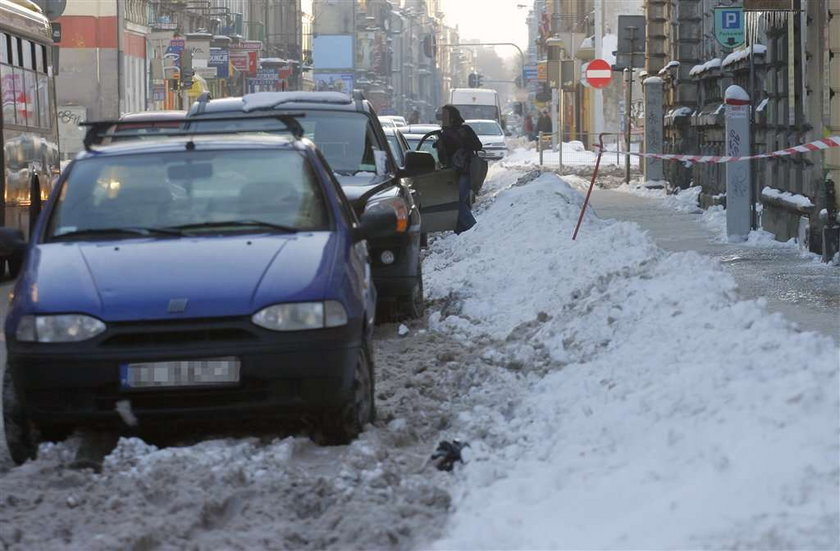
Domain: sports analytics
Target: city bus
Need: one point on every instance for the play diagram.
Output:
(29, 159)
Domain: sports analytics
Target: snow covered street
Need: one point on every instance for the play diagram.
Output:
(614, 395)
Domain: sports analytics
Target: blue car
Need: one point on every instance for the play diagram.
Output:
(193, 277)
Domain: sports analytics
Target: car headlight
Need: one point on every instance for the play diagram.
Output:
(299, 316)
(58, 328)
(398, 205)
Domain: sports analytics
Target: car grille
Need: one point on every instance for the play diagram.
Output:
(178, 336)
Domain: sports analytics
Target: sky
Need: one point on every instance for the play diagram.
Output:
(490, 21)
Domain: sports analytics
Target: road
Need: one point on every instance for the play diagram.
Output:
(804, 291)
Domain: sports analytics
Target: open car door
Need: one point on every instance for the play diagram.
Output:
(437, 192)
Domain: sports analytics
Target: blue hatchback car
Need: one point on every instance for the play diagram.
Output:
(192, 277)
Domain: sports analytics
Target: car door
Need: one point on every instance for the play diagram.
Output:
(438, 197)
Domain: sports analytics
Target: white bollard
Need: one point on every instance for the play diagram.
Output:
(737, 173)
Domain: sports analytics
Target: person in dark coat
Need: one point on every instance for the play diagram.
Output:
(528, 127)
(414, 118)
(544, 122)
(457, 146)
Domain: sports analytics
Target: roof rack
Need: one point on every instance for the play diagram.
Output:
(99, 130)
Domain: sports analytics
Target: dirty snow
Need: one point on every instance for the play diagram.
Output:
(613, 396)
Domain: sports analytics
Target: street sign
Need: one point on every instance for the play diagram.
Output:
(598, 73)
(729, 26)
(630, 50)
(542, 71)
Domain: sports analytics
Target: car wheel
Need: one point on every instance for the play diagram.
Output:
(412, 306)
(15, 264)
(22, 435)
(343, 426)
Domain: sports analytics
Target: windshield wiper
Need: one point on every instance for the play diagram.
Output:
(236, 224)
(132, 230)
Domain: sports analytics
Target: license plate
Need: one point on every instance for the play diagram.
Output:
(180, 373)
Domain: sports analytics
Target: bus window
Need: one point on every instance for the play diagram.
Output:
(29, 103)
(15, 46)
(40, 58)
(4, 48)
(44, 101)
(7, 83)
(26, 49)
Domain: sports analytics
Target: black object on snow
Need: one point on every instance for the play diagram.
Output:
(447, 453)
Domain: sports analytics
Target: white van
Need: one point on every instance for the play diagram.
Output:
(477, 103)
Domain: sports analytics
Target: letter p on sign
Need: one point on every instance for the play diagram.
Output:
(731, 20)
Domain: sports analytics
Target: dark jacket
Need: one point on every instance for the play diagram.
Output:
(453, 138)
(544, 124)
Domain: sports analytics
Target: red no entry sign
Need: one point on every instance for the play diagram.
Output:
(598, 73)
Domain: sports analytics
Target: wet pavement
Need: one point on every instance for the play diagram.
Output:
(798, 286)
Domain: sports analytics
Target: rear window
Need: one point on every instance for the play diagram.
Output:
(346, 139)
(478, 112)
(178, 188)
(486, 128)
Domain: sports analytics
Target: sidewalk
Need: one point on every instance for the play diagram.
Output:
(806, 292)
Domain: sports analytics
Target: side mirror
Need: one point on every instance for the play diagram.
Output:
(376, 222)
(418, 163)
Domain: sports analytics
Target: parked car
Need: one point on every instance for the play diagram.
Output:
(350, 136)
(398, 144)
(414, 135)
(387, 122)
(492, 138)
(163, 282)
(398, 121)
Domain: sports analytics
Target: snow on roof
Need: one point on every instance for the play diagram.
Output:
(680, 112)
(699, 69)
(787, 197)
(652, 80)
(738, 55)
(670, 65)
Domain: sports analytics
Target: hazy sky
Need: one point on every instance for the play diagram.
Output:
(490, 21)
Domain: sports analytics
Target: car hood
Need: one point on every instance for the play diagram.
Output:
(358, 185)
(133, 279)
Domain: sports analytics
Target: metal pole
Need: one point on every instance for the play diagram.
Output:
(561, 122)
(628, 82)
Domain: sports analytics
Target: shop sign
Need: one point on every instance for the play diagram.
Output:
(220, 60)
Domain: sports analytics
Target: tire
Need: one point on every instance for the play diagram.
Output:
(22, 437)
(15, 264)
(343, 426)
(413, 305)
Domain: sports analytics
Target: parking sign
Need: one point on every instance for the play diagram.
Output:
(729, 27)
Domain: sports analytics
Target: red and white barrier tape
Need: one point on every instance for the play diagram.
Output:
(818, 145)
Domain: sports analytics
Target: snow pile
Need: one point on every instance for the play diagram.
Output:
(671, 415)
(792, 199)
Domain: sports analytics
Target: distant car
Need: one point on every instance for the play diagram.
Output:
(398, 144)
(398, 121)
(146, 125)
(171, 284)
(387, 122)
(348, 133)
(492, 138)
(415, 133)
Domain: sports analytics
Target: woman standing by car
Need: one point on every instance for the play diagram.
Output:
(457, 147)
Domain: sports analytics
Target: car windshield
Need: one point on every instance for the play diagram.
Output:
(478, 111)
(345, 138)
(189, 191)
(486, 128)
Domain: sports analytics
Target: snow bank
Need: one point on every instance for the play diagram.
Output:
(673, 416)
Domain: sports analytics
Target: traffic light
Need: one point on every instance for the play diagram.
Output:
(472, 80)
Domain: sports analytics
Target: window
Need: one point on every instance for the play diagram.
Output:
(40, 58)
(16, 53)
(28, 60)
(191, 187)
(27, 103)
(44, 101)
(7, 83)
(4, 48)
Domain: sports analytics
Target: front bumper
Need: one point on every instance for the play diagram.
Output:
(281, 374)
(492, 154)
(399, 278)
